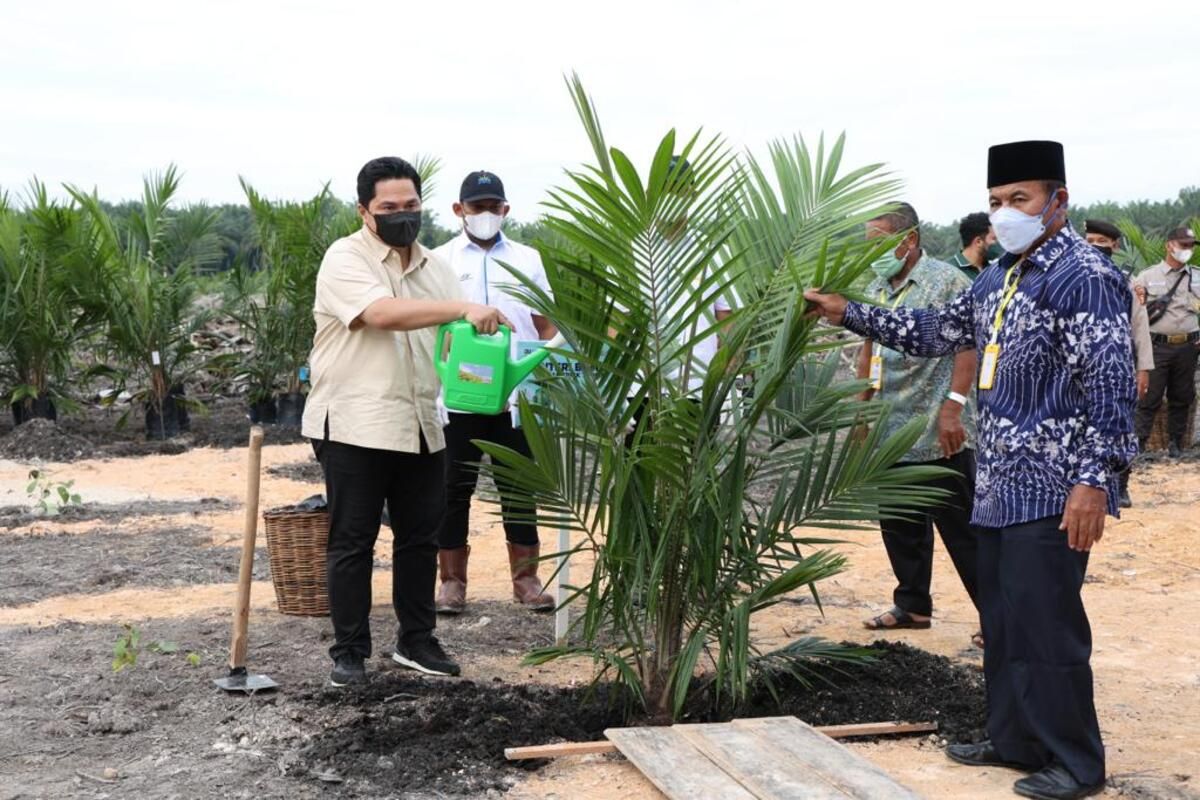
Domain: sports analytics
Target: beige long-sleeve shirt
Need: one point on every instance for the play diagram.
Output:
(376, 388)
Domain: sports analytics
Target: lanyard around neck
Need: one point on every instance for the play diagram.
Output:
(1009, 291)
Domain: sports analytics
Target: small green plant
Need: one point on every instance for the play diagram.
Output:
(50, 497)
(193, 659)
(164, 647)
(125, 651)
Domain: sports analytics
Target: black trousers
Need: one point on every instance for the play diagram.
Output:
(357, 482)
(462, 476)
(909, 542)
(1175, 372)
(1039, 681)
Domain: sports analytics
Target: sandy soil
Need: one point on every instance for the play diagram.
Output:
(1143, 597)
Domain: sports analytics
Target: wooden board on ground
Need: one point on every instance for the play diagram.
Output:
(679, 770)
(832, 731)
(775, 758)
(853, 774)
(759, 764)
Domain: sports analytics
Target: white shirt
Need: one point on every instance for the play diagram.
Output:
(482, 277)
(485, 280)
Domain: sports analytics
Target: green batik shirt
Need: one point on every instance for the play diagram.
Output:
(918, 386)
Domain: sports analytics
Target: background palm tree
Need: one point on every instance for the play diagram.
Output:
(38, 322)
(136, 281)
(688, 493)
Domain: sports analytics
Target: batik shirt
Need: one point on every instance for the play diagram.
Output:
(1060, 412)
(917, 387)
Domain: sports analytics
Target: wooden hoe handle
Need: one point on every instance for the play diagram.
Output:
(241, 616)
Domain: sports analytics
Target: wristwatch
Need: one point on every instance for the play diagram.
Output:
(961, 399)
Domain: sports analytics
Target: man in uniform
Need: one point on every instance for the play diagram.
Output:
(936, 389)
(1172, 301)
(480, 257)
(978, 244)
(1055, 392)
(1106, 237)
(372, 416)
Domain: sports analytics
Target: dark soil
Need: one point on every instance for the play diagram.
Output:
(169, 733)
(302, 471)
(93, 433)
(37, 566)
(18, 516)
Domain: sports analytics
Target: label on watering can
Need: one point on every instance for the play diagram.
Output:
(475, 373)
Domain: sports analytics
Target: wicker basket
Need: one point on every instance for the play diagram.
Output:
(296, 545)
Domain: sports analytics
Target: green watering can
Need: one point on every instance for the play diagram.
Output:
(477, 371)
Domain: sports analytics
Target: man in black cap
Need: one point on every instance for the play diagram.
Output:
(481, 257)
(1173, 300)
(1106, 237)
(1055, 398)
(978, 244)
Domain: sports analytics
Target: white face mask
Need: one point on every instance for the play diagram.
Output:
(1016, 230)
(483, 226)
(1184, 256)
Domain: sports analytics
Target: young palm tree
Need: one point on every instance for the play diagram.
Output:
(138, 283)
(293, 238)
(38, 323)
(689, 494)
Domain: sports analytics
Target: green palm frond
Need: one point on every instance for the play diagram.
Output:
(695, 523)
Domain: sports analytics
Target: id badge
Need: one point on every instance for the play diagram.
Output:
(876, 374)
(987, 368)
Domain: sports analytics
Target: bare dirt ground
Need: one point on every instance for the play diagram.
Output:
(155, 547)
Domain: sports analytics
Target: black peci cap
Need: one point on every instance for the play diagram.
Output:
(1101, 227)
(481, 185)
(1025, 161)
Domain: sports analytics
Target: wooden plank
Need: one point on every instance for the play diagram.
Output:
(875, 729)
(678, 769)
(759, 765)
(559, 749)
(832, 731)
(853, 774)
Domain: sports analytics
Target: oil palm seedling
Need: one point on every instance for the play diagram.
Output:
(692, 496)
(277, 311)
(39, 325)
(137, 283)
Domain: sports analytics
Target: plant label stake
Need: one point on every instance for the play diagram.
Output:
(239, 680)
(561, 367)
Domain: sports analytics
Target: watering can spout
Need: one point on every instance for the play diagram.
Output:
(523, 366)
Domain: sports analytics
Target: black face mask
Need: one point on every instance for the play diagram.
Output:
(1108, 251)
(398, 229)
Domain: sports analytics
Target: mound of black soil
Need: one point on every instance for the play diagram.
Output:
(448, 736)
(42, 439)
(445, 737)
(899, 683)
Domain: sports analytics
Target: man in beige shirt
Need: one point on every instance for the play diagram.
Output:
(1106, 237)
(1175, 286)
(373, 420)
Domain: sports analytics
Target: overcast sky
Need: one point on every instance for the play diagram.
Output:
(293, 94)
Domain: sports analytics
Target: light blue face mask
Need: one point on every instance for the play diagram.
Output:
(888, 265)
(1016, 230)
